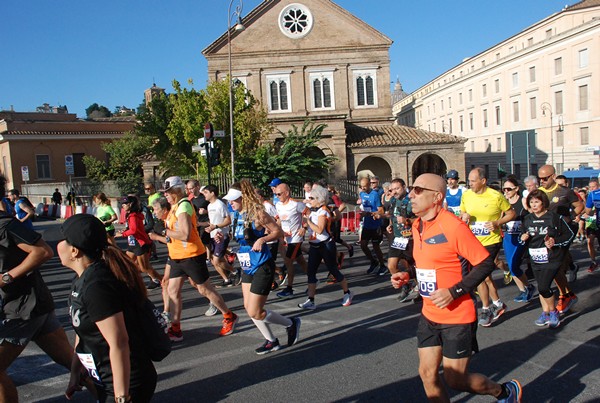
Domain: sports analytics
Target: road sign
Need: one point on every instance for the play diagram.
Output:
(208, 131)
(25, 173)
(198, 148)
(69, 165)
(219, 133)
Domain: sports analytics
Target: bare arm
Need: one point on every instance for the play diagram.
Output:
(115, 333)
(37, 254)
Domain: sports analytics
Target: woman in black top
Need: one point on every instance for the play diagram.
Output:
(104, 302)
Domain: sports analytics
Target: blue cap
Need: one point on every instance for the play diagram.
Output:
(275, 182)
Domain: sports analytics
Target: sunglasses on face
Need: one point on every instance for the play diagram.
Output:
(545, 178)
(418, 189)
(508, 189)
(311, 198)
(277, 194)
(147, 188)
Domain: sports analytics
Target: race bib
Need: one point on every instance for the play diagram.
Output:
(130, 240)
(427, 279)
(244, 259)
(513, 227)
(455, 210)
(367, 209)
(400, 243)
(539, 255)
(478, 228)
(88, 362)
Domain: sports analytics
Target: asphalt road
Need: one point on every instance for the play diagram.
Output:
(365, 352)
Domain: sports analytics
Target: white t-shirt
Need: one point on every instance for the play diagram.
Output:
(290, 215)
(313, 237)
(217, 211)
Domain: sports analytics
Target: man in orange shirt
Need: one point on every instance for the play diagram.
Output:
(444, 250)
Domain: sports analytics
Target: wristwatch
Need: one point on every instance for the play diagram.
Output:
(168, 239)
(7, 278)
(164, 232)
(123, 399)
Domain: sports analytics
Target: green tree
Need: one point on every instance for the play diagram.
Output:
(97, 111)
(292, 160)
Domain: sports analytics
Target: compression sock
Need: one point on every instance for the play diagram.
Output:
(264, 329)
(277, 319)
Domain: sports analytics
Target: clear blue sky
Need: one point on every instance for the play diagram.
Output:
(77, 52)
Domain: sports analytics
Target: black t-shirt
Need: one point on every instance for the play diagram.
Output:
(95, 296)
(200, 202)
(561, 199)
(15, 299)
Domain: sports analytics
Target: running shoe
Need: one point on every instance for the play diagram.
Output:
(382, 270)
(543, 320)
(514, 392)
(592, 267)
(230, 257)
(350, 250)
(405, 291)
(566, 303)
(293, 331)
(485, 317)
(497, 311)
(308, 304)
(225, 284)
(211, 311)
(274, 285)
(175, 335)
(530, 292)
(229, 324)
(522, 297)
(287, 293)
(572, 272)
(347, 300)
(154, 284)
(507, 277)
(237, 278)
(553, 319)
(268, 346)
(331, 279)
(374, 265)
(282, 276)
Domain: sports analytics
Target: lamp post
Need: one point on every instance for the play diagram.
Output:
(238, 27)
(546, 107)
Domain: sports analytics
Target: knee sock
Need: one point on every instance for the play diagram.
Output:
(264, 329)
(277, 319)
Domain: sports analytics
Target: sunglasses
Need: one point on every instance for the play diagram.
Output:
(311, 198)
(277, 194)
(545, 178)
(147, 188)
(374, 183)
(418, 189)
(508, 189)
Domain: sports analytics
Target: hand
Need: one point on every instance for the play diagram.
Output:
(491, 225)
(389, 229)
(549, 242)
(76, 382)
(301, 232)
(524, 237)
(219, 237)
(258, 245)
(441, 298)
(153, 236)
(164, 282)
(399, 279)
(465, 218)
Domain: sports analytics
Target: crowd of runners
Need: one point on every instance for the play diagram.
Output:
(444, 241)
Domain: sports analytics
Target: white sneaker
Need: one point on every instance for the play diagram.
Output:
(211, 311)
(347, 300)
(308, 304)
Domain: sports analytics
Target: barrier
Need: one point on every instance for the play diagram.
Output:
(351, 221)
(58, 211)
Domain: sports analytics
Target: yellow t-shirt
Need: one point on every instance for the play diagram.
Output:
(484, 207)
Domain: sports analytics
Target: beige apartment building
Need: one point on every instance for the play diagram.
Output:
(312, 59)
(529, 100)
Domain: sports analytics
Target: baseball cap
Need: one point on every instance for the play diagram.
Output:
(124, 199)
(172, 181)
(452, 174)
(86, 232)
(232, 194)
(275, 182)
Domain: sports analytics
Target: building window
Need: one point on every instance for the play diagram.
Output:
(532, 74)
(529, 41)
(366, 88)
(486, 145)
(515, 80)
(548, 33)
(498, 56)
(322, 90)
(442, 105)
(42, 162)
(583, 58)
(533, 108)
(450, 125)
(583, 97)
(484, 90)
(558, 102)
(515, 111)
(460, 101)
(279, 93)
(443, 127)
(449, 102)
(78, 165)
(462, 127)
(472, 146)
(295, 21)
(584, 134)
(471, 123)
(470, 95)
(499, 144)
(485, 120)
(558, 66)
(483, 63)
(497, 85)
(498, 115)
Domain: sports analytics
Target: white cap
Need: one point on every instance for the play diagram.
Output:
(233, 194)
(172, 181)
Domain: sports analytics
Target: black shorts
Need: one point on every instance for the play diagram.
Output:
(457, 341)
(218, 249)
(138, 249)
(20, 332)
(371, 234)
(494, 249)
(262, 279)
(193, 267)
(406, 254)
(293, 250)
(593, 231)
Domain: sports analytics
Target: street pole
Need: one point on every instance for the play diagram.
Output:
(238, 27)
(546, 106)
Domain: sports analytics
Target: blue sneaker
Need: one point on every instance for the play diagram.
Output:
(514, 392)
(554, 319)
(287, 293)
(543, 320)
(522, 297)
(530, 292)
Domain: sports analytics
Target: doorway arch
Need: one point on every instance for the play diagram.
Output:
(428, 163)
(378, 166)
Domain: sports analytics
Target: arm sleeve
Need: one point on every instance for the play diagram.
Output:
(565, 233)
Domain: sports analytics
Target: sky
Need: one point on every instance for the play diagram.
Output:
(80, 52)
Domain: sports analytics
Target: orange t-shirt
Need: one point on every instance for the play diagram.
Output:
(193, 246)
(438, 248)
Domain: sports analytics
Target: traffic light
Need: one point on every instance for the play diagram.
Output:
(214, 156)
(501, 172)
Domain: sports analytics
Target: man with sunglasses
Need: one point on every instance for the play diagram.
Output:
(371, 212)
(564, 202)
(485, 210)
(446, 331)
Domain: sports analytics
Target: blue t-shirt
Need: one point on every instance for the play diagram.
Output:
(249, 260)
(370, 204)
(22, 213)
(593, 200)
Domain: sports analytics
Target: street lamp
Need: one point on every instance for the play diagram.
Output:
(238, 27)
(546, 107)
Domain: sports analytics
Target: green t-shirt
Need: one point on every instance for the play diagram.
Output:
(104, 213)
(151, 199)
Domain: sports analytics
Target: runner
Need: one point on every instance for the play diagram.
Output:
(546, 234)
(253, 228)
(531, 184)
(280, 273)
(106, 214)
(104, 307)
(593, 230)
(23, 208)
(485, 211)
(371, 212)
(453, 193)
(336, 226)
(153, 195)
(446, 331)
(188, 258)
(322, 247)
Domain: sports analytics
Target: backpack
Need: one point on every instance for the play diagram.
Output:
(154, 329)
(148, 219)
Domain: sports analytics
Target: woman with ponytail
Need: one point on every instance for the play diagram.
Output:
(103, 302)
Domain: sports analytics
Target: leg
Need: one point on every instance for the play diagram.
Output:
(175, 301)
(8, 353)
(144, 263)
(209, 291)
(364, 246)
(457, 376)
(484, 294)
(393, 264)
(430, 359)
(378, 252)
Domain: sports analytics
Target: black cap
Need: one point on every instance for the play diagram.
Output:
(86, 232)
(452, 174)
